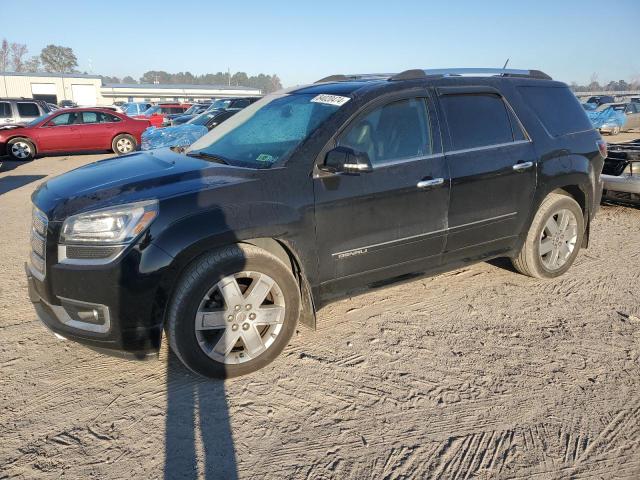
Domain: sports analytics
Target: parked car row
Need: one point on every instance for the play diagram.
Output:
(613, 117)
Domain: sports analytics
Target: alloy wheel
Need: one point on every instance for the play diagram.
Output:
(240, 317)
(21, 150)
(124, 145)
(558, 239)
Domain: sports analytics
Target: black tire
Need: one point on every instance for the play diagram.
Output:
(529, 261)
(198, 279)
(27, 148)
(123, 144)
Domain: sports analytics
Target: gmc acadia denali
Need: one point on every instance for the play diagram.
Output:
(306, 195)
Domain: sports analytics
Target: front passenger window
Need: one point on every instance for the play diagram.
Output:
(396, 131)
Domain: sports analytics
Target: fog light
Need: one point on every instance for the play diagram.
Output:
(84, 312)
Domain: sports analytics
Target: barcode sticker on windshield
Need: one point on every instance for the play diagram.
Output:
(327, 99)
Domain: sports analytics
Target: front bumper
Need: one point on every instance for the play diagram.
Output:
(116, 309)
(623, 183)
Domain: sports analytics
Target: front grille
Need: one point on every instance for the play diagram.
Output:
(39, 225)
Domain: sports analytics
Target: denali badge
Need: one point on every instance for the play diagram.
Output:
(351, 253)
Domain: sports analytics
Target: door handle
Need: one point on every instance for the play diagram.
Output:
(518, 167)
(430, 183)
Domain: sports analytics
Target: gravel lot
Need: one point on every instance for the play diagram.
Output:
(476, 373)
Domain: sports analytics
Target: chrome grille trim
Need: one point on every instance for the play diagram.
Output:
(38, 257)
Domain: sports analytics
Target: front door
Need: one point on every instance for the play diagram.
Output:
(392, 220)
(58, 134)
(493, 173)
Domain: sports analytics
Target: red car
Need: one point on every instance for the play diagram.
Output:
(156, 114)
(72, 130)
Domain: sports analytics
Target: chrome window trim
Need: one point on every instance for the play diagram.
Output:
(486, 147)
(390, 163)
(422, 235)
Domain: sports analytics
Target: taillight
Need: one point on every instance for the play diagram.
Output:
(602, 147)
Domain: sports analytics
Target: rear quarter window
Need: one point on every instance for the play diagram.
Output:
(28, 109)
(557, 108)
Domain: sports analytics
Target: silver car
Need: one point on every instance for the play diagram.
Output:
(621, 172)
(631, 112)
(21, 110)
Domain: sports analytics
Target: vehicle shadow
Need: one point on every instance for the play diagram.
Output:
(11, 182)
(197, 405)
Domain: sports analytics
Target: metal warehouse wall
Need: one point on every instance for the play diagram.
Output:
(17, 85)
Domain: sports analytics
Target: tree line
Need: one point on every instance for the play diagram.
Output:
(59, 59)
(595, 86)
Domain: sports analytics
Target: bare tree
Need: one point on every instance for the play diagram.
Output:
(33, 64)
(18, 52)
(4, 55)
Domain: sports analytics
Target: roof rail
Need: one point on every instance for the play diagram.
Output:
(355, 76)
(458, 72)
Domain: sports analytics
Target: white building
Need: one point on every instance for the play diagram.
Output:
(89, 89)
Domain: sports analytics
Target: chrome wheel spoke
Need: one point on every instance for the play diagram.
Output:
(270, 315)
(260, 288)
(211, 320)
(551, 226)
(546, 246)
(231, 292)
(226, 342)
(252, 341)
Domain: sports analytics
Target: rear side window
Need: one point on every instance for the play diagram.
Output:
(28, 109)
(5, 109)
(89, 117)
(557, 108)
(477, 120)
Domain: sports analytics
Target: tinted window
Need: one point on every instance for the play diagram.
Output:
(240, 103)
(557, 108)
(90, 117)
(28, 109)
(108, 118)
(5, 109)
(63, 119)
(395, 131)
(477, 120)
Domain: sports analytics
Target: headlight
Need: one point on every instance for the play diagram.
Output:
(114, 225)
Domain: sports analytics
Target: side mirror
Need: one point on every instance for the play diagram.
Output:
(347, 160)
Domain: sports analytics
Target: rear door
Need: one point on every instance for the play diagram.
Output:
(392, 220)
(493, 172)
(95, 133)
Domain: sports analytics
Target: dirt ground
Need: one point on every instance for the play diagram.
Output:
(477, 373)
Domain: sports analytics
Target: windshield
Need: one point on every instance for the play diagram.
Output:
(267, 131)
(151, 110)
(219, 104)
(130, 108)
(202, 119)
(193, 109)
(35, 121)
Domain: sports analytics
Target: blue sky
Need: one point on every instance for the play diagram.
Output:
(303, 41)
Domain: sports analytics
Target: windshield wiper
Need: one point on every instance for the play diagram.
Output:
(208, 156)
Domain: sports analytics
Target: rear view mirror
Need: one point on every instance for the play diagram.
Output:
(347, 160)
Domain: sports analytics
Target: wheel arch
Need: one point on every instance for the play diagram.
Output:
(286, 253)
(33, 142)
(279, 249)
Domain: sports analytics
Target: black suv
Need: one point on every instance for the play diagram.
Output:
(306, 195)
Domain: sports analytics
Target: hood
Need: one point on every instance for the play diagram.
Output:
(10, 126)
(155, 174)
